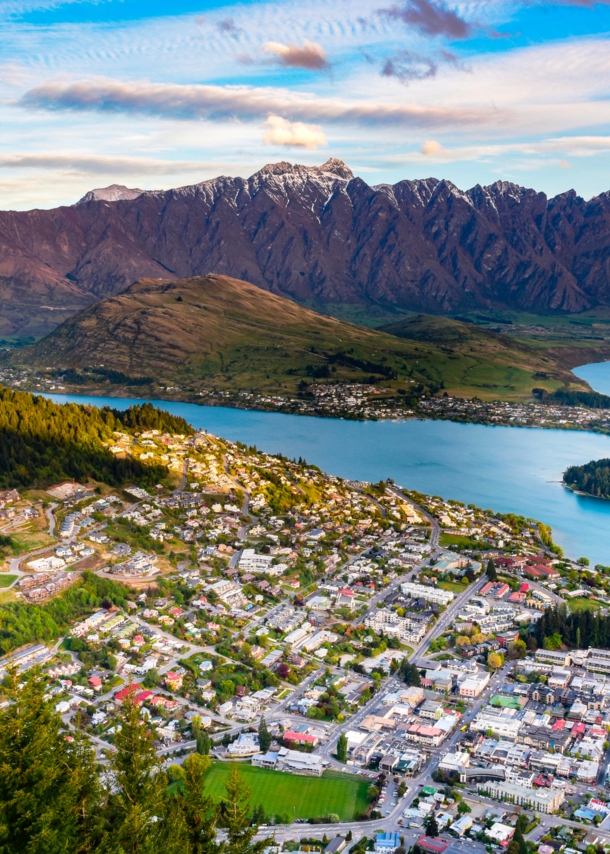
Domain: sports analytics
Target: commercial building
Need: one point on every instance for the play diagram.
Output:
(554, 656)
(541, 800)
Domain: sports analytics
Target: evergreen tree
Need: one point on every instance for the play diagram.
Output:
(491, 570)
(49, 790)
(204, 743)
(431, 826)
(410, 673)
(198, 812)
(136, 804)
(342, 748)
(518, 837)
(235, 810)
(264, 736)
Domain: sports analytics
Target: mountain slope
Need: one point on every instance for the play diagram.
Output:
(318, 235)
(218, 332)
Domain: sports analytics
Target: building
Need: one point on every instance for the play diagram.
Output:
(433, 845)
(429, 594)
(461, 826)
(301, 738)
(541, 800)
(249, 561)
(246, 744)
(473, 686)
(553, 656)
(387, 842)
(293, 761)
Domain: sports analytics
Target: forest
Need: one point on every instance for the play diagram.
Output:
(593, 478)
(55, 798)
(42, 442)
(557, 628)
(21, 623)
(572, 397)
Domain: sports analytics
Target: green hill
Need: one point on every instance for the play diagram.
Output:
(217, 332)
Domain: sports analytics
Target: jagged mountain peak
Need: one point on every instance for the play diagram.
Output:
(113, 193)
(333, 166)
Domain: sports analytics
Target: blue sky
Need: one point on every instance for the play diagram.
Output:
(121, 91)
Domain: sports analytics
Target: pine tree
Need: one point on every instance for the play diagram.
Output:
(235, 810)
(198, 811)
(491, 570)
(431, 826)
(49, 790)
(264, 736)
(137, 803)
(519, 839)
(342, 748)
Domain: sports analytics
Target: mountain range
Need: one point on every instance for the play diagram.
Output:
(317, 235)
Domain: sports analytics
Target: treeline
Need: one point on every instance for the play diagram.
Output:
(42, 442)
(343, 358)
(55, 799)
(569, 397)
(89, 375)
(594, 478)
(557, 628)
(21, 624)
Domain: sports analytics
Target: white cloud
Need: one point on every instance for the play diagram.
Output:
(308, 55)
(282, 132)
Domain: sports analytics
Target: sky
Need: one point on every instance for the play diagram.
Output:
(156, 94)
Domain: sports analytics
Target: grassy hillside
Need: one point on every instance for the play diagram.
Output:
(222, 333)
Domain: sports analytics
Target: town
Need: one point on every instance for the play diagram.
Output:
(352, 401)
(398, 648)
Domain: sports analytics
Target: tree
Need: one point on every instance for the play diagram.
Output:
(518, 838)
(204, 743)
(137, 798)
(50, 795)
(197, 811)
(264, 736)
(494, 661)
(463, 808)
(372, 793)
(410, 673)
(342, 748)
(491, 570)
(152, 678)
(235, 812)
(431, 825)
(517, 649)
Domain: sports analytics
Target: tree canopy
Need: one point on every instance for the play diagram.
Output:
(42, 442)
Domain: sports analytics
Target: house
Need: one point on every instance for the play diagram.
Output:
(301, 738)
(173, 680)
(246, 744)
(127, 691)
(95, 682)
(345, 598)
(501, 833)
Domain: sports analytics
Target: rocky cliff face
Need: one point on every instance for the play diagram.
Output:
(314, 234)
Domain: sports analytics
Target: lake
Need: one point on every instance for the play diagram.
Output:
(596, 374)
(508, 469)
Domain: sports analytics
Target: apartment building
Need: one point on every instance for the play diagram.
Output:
(430, 594)
(541, 800)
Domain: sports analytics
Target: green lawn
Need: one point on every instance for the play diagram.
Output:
(454, 586)
(449, 540)
(582, 603)
(302, 797)
(6, 580)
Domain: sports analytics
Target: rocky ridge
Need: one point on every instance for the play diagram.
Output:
(318, 235)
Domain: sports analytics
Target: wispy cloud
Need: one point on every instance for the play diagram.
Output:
(292, 134)
(95, 164)
(407, 65)
(430, 19)
(573, 146)
(228, 26)
(196, 101)
(308, 55)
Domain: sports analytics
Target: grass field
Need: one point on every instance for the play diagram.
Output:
(27, 542)
(7, 580)
(302, 797)
(582, 603)
(450, 540)
(454, 586)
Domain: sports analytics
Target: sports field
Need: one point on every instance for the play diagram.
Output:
(302, 797)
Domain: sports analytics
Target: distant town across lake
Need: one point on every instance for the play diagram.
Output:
(507, 469)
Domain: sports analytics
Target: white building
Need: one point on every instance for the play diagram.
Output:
(246, 744)
(431, 594)
(541, 800)
(293, 761)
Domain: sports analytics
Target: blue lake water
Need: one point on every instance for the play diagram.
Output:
(508, 469)
(596, 374)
